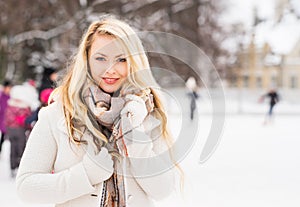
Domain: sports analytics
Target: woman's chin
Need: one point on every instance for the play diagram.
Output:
(109, 89)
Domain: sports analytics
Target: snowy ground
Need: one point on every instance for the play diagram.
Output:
(254, 165)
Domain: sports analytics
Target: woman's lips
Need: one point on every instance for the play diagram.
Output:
(110, 80)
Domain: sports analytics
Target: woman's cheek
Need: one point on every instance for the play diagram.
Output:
(97, 71)
(124, 70)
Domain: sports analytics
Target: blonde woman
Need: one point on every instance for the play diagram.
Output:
(103, 141)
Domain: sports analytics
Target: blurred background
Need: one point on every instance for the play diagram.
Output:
(254, 46)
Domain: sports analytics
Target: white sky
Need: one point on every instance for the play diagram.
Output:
(242, 10)
(281, 38)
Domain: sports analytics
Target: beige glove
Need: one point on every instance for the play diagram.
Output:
(133, 113)
(137, 142)
(99, 167)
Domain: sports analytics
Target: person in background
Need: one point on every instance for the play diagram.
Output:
(16, 112)
(30, 94)
(273, 100)
(4, 97)
(104, 141)
(33, 117)
(48, 79)
(192, 88)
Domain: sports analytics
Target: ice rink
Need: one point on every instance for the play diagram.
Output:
(254, 165)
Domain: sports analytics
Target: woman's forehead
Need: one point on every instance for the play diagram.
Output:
(107, 45)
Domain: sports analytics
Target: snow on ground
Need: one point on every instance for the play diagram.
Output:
(8, 195)
(254, 165)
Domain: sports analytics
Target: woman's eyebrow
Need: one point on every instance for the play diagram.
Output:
(99, 53)
(119, 55)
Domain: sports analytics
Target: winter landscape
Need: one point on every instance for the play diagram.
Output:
(253, 165)
(252, 162)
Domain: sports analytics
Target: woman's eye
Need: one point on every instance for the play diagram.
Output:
(121, 60)
(100, 58)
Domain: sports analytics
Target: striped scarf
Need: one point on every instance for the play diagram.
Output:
(109, 122)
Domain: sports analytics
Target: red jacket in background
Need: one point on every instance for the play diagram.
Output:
(16, 113)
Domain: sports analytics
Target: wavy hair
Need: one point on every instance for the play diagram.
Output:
(78, 77)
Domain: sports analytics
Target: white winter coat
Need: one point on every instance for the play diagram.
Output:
(51, 169)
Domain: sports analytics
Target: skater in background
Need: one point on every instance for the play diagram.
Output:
(16, 112)
(192, 88)
(4, 97)
(273, 100)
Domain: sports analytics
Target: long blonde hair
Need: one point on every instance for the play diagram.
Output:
(78, 77)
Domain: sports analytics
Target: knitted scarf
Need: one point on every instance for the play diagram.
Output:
(113, 193)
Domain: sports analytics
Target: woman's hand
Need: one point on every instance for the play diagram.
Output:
(99, 167)
(138, 144)
(133, 113)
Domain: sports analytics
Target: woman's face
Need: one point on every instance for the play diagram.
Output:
(108, 63)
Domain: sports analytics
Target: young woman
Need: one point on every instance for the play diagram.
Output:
(104, 140)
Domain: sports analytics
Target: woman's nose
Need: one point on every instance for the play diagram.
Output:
(111, 69)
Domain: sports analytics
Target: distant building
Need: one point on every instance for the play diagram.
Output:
(271, 58)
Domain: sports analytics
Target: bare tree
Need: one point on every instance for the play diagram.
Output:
(46, 32)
